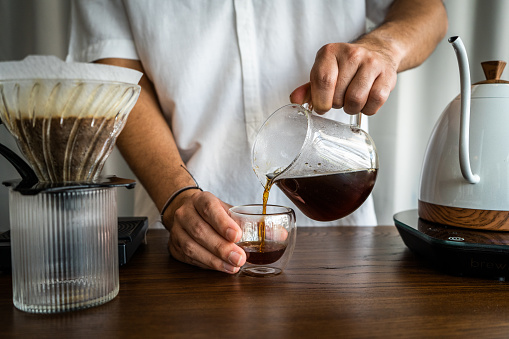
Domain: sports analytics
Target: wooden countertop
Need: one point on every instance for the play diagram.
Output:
(341, 282)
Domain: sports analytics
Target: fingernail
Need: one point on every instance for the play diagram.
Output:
(229, 268)
(234, 258)
(231, 234)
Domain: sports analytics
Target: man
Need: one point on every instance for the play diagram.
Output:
(215, 70)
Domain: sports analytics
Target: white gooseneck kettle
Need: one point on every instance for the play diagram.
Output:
(465, 175)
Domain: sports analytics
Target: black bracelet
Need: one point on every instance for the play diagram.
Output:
(174, 195)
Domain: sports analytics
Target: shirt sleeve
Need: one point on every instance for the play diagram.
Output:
(376, 10)
(100, 29)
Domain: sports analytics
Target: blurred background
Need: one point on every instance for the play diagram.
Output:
(400, 130)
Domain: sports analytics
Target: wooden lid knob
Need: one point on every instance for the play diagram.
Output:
(492, 71)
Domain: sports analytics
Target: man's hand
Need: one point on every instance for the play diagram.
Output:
(202, 232)
(357, 77)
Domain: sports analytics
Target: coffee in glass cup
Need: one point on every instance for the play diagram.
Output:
(268, 237)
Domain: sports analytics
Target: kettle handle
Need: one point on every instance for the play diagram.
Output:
(464, 142)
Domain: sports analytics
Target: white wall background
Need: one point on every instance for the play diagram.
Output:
(400, 130)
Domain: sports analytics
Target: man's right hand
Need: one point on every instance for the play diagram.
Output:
(202, 233)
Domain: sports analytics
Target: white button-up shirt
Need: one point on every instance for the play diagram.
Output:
(220, 68)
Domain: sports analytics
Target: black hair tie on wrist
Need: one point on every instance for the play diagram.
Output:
(176, 193)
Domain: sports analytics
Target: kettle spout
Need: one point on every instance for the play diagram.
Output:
(464, 143)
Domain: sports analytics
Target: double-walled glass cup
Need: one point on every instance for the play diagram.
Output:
(268, 239)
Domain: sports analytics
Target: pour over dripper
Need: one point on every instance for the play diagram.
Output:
(66, 128)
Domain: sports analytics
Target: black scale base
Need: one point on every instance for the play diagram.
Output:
(453, 250)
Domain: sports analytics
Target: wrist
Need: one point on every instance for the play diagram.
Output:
(175, 201)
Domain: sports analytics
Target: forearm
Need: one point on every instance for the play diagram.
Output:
(410, 32)
(147, 143)
(202, 233)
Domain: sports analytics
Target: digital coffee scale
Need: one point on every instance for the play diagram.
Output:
(457, 251)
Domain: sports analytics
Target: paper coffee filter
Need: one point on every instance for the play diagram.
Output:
(51, 67)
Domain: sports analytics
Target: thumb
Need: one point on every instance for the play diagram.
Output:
(301, 94)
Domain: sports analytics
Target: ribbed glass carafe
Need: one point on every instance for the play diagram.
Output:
(64, 249)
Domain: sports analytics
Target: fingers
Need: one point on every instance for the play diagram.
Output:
(349, 76)
(215, 213)
(204, 235)
(279, 234)
(348, 65)
(378, 94)
(324, 76)
(184, 248)
(357, 92)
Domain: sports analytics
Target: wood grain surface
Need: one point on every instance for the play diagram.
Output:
(464, 217)
(341, 282)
